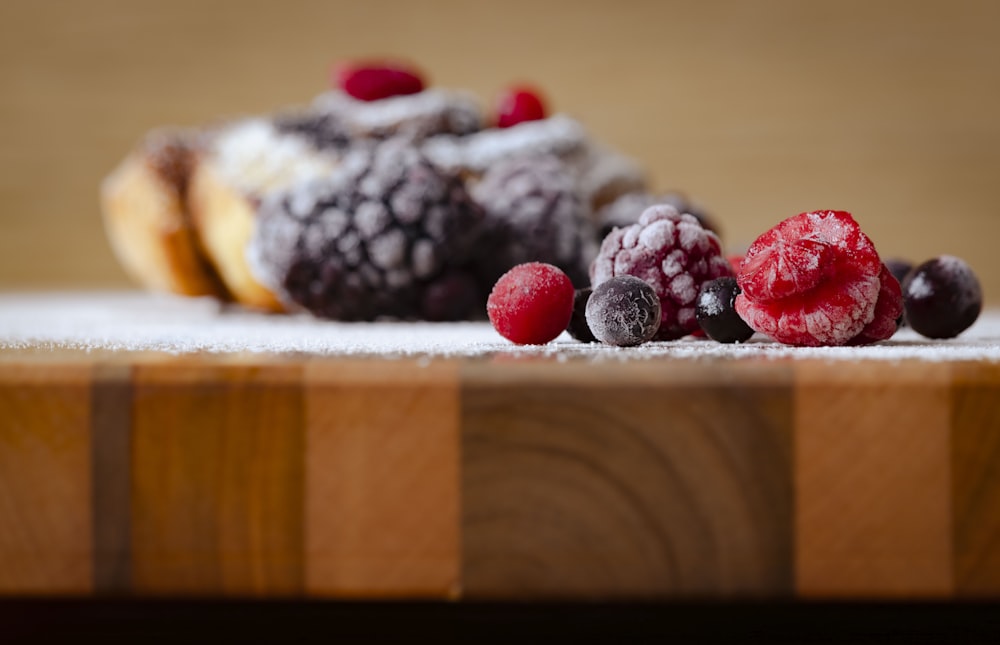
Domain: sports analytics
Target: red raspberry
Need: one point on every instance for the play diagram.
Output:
(531, 304)
(374, 81)
(888, 309)
(674, 254)
(519, 104)
(811, 280)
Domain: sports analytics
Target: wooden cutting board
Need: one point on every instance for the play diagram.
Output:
(497, 475)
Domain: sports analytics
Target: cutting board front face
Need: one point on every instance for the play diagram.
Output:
(500, 478)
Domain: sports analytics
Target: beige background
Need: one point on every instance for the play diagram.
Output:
(758, 109)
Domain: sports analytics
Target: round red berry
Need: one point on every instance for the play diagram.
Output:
(531, 304)
(519, 104)
(374, 81)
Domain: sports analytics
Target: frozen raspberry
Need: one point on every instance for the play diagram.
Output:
(716, 311)
(519, 104)
(374, 81)
(942, 297)
(534, 213)
(888, 311)
(811, 280)
(623, 311)
(626, 209)
(531, 304)
(578, 327)
(674, 254)
(384, 236)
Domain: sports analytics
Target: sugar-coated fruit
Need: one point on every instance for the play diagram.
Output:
(578, 327)
(371, 81)
(531, 304)
(812, 280)
(716, 311)
(899, 268)
(673, 253)
(942, 297)
(519, 104)
(888, 311)
(623, 311)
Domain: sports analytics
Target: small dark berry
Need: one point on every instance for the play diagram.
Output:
(942, 297)
(623, 311)
(716, 311)
(899, 268)
(578, 327)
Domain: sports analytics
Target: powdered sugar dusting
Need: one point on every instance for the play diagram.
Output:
(141, 322)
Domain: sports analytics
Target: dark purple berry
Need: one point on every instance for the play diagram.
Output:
(578, 327)
(623, 311)
(899, 268)
(716, 312)
(942, 297)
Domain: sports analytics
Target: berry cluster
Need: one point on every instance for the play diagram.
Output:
(815, 279)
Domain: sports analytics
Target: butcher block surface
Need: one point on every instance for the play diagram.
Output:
(160, 447)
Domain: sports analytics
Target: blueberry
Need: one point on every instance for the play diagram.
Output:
(942, 297)
(578, 327)
(623, 311)
(716, 311)
(899, 268)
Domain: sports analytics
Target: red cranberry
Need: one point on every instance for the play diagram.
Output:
(374, 81)
(519, 104)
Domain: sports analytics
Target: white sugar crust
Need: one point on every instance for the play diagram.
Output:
(142, 322)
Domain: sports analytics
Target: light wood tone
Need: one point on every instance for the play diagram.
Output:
(758, 109)
(872, 480)
(603, 490)
(217, 480)
(45, 509)
(976, 474)
(382, 459)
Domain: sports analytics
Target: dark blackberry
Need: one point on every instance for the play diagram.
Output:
(626, 210)
(716, 311)
(578, 327)
(623, 311)
(942, 297)
(385, 236)
(899, 268)
(534, 214)
(323, 131)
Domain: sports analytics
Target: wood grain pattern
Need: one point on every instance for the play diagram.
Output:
(382, 479)
(975, 461)
(217, 480)
(45, 503)
(602, 491)
(111, 467)
(873, 508)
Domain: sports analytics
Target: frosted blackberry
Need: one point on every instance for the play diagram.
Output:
(534, 214)
(674, 254)
(384, 236)
(942, 297)
(626, 210)
(716, 311)
(323, 131)
(578, 327)
(623, 311)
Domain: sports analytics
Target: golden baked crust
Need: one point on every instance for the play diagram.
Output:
(225, 218)
(144, 206)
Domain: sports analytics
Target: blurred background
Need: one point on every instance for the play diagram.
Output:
(757, 109)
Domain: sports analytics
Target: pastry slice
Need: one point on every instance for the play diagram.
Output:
(144, 206)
